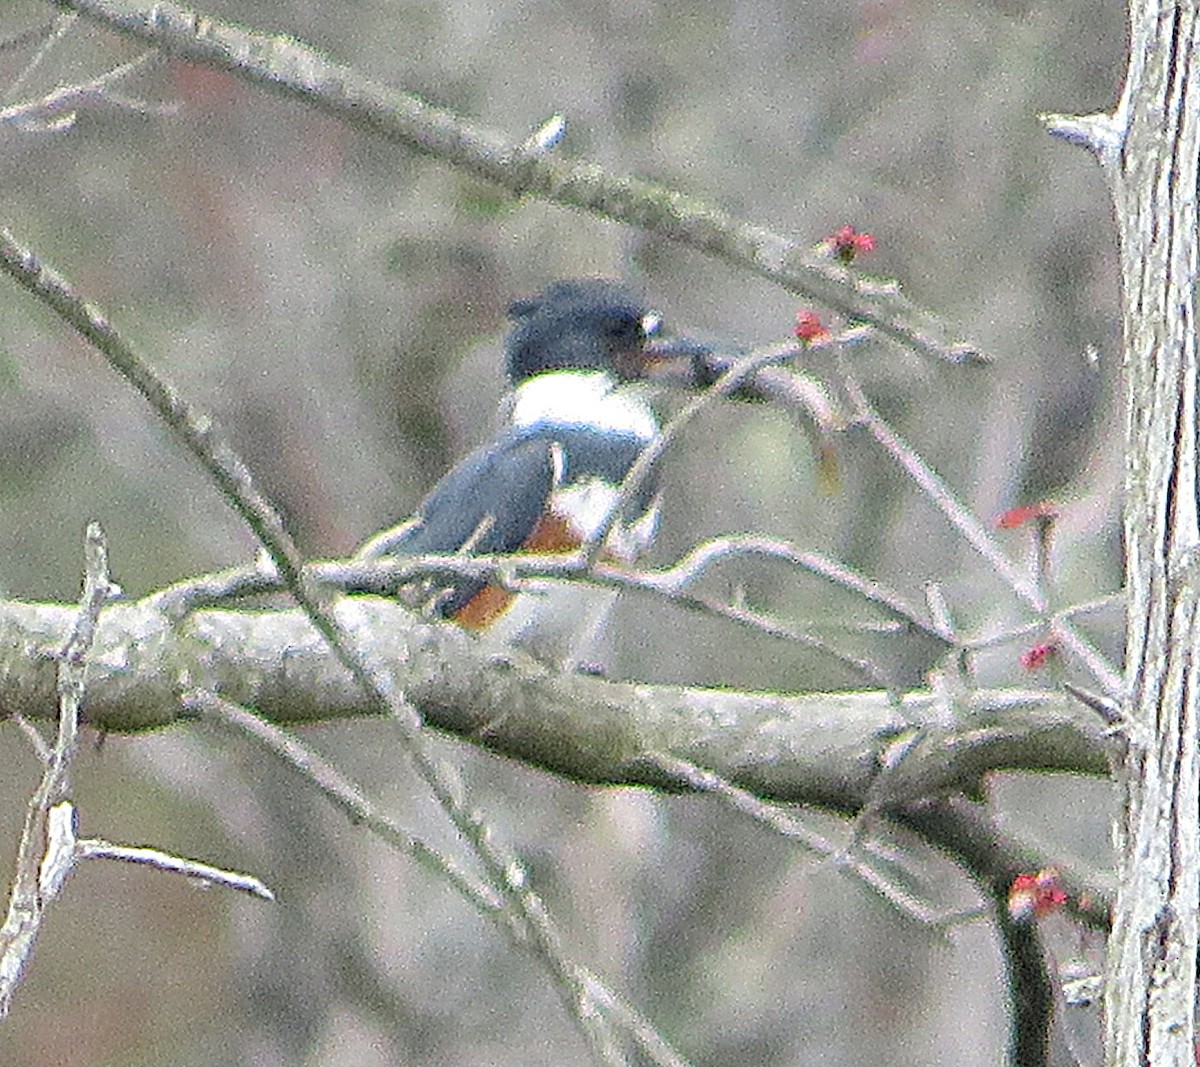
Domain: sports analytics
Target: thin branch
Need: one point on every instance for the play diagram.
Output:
(529, 574)
(388, 575)
(71, 96)
(1101, 134)
(36, 741)
(48, 37)
(995, 855)
(1015, 633)
(705, 555)
(27, 37)
(303, 73)
(969, 833)
(1060, 628)
(740, 371)
(72, 670)
(960, 517)
(657, 1049)
(770, 815)
(1108, 710)
(1031, 986)
(343, 794)
(744, 617)
(1072, 641)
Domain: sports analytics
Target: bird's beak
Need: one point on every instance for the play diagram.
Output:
(677, 361)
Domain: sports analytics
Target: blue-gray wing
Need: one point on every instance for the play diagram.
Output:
(493, 501)
(489, 503)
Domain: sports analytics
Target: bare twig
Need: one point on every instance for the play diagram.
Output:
(36, 741)
(705, 555)
(1108, 710)
(545, 137)
(1072, 641)
(35, 35)
(50, 846)
(1060, 627)
(1015, 633)
(969, 833)
(72, 668)
(387, 576)
(343, 794)
(92, 848)
(48, 37)
(58, 101)
(222, 587)
(45, 855)
(973, 531)
(740, 371)
(741, 616)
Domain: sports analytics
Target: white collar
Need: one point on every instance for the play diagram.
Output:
(582, 398)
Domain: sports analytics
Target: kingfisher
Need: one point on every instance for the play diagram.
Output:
(549, 481)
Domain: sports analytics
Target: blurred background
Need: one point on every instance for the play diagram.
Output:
(339, 302)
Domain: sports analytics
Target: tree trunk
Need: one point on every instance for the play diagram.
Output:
(1149, 148)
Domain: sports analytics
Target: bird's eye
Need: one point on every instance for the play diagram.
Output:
(650, 323)
(626, 333)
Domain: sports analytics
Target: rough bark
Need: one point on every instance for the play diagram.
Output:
(1152, 161)
(827, 749)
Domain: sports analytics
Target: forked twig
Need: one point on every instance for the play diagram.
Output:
(44, 857)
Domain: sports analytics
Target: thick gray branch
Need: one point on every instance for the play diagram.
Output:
(819, 749)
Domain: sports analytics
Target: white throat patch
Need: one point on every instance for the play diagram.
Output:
(582, 398)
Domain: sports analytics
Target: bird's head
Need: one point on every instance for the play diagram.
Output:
(587, 324)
